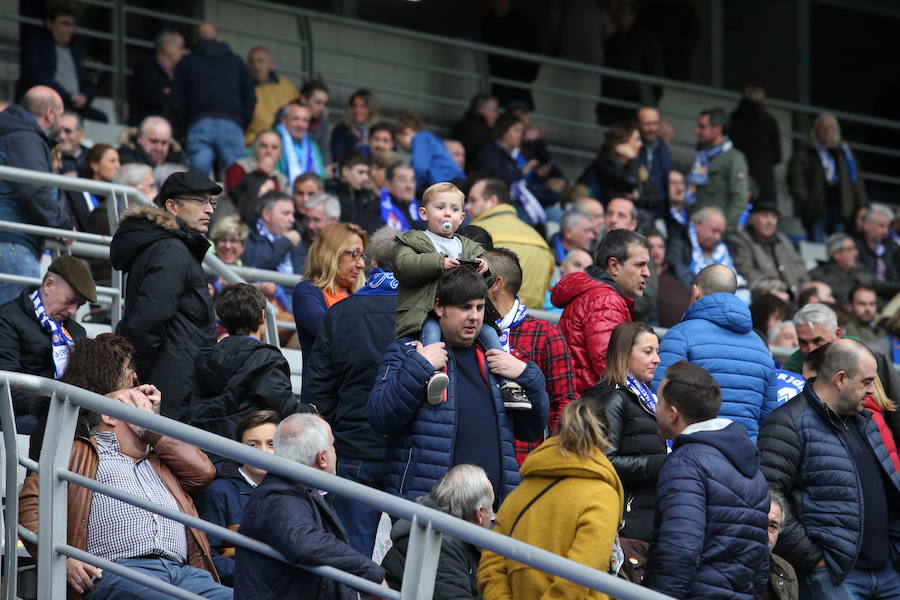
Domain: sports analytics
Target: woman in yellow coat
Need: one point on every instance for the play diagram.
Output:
(576, 516)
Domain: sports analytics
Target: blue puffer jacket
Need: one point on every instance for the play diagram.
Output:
(712, 516)
(716, 333)
(805, 457)
(421, 436)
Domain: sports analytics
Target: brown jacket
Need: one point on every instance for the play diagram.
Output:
(775, 258)
(184, 469)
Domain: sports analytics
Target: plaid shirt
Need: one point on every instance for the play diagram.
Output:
(539, 341)
(119, 530)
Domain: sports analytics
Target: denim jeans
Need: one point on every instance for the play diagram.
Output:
(16, 259)
(431, 333)
(115, 587)
(859, 585)
(360, 520)
(212, 139)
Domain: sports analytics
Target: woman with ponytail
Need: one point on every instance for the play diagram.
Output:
(569, 503)
(626, 399)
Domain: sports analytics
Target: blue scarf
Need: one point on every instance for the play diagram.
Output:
(379, 283)
(699, 175)
(720, 255)
(832, 175)
(510, 321)
(299, 158)
(645, 395)
(392, 215)
(286, 265)
(92, 201)
(60, 339)
(895, 348)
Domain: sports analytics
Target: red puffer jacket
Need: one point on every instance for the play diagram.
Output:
(592, 309)
(886, 436)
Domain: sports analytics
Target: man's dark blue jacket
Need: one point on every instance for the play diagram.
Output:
(212, 81)
(298, 522)
(805, 457)
(711, 538)
(421, 436)
(37, 66)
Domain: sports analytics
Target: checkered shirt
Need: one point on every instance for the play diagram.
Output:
(539, 341)
(119, 530)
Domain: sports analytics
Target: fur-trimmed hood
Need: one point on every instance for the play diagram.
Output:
(142, 226)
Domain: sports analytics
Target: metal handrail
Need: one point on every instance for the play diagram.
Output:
(53, 469)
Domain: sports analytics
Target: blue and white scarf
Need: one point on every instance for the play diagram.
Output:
(93, 203)
(699, 175)
(379, 283)
(392, 215)
(299, 160)
(60, 339)
(510, 320)
(520, 193)
(832, 175)
(286, 265)
(645, 395)
(719, 256)
(680, 216)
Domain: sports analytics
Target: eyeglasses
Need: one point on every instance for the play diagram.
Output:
(233, 241)
(354, 254)
(211, 201)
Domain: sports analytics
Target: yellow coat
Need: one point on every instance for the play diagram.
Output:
(577, 519)
(508, 231)
(270, 97)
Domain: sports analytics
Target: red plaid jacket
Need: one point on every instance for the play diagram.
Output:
(541, 342)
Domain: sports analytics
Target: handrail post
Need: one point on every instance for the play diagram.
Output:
(482, 67)
(11, 516)
(420, 569)
(306, 39)
(53, 500)
(118, 30)
(272, 326)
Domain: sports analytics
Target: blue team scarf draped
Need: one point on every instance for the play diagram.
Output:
(832, 175)
(298, 160)
(895, 348)
(720, 254)
(680, 216)
(511, 320)
(392, 215)
(520, 193)
(699, 174)
(286, 265)
(60, 339)
(379, 283)
(645, 395)
(92, 201)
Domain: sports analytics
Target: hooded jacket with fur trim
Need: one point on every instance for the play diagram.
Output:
(168, 309)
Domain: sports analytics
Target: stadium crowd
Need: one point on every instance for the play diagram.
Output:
(697, 464)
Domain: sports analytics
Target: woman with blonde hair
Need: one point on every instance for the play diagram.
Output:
(825, 180)
(569, 502)
(335, 269)
(626, 399)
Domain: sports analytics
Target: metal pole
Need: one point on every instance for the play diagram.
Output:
(11, 511)
(422, 556)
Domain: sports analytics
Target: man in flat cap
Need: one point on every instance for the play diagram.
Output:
(37, 328)
(168, 309)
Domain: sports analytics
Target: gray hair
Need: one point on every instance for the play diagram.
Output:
(462, 490)
(79, 120)
(835, 241)
(572, 218)
(775, 329)
(331, 204)
(300, 437)
(163, 171)
(816, 313)
(704, 213)
(381, 248)
(270, 199)
(132, 174)
(877, 208)
(779, 499)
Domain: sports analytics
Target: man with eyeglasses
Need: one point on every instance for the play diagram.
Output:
(152, 145)
(168, 309)
(70, 137)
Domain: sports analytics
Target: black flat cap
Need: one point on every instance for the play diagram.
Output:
(187, 182)
(764, 206)
(76, 275)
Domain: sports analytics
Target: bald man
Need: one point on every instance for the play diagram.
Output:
(213, 100)
(25, 132)
(272, 92)
(716, 333)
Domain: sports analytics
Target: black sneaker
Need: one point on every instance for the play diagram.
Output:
(514, 397)
(436, 386)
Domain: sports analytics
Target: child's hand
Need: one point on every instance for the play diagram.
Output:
(449, 263)
(434, 353)
(482, 266)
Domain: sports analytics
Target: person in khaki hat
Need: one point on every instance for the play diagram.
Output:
(38, 328)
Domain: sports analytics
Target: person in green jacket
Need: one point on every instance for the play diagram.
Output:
(420, 258)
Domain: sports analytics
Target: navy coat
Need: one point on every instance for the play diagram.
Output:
(805, 457)
(710, 538)
(301, 524)
(421, 436)
(37, 66)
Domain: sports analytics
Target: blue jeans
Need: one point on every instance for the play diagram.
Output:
(16, 259)
(859, 585)
(360, 520)
(431, 333)
(209, 139)
(114, 587)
